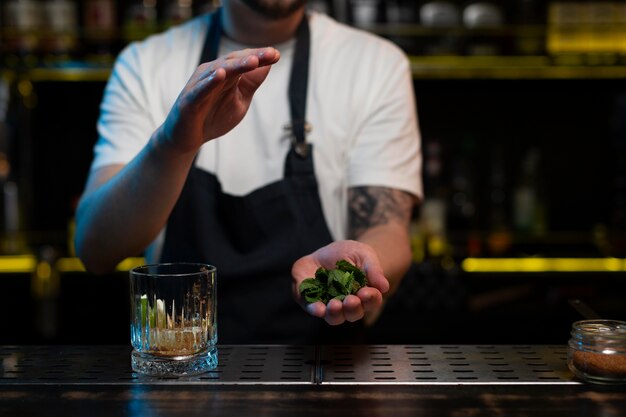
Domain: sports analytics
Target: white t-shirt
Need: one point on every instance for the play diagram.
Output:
(360, 104)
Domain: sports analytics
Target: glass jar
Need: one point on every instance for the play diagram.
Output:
(596, 351)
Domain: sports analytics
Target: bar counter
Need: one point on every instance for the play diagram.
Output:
(360, 380)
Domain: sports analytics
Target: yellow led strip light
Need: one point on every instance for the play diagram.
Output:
(543, 265)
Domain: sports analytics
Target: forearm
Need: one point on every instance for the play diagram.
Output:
(380, 217)
(123, 211)
(119, 216)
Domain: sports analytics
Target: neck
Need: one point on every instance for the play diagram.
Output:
(244, 25)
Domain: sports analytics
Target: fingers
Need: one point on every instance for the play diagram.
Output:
(376, 277)
(334, 313)
(240, 62)
(246, 68)
(265, 56)
(317, 309)
(371, 299)
(353, 307)
(248, 83)
(249, 68)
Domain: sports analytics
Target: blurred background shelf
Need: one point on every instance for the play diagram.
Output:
(512, 68)
(523, 126)
(76, 73)
(423, 67)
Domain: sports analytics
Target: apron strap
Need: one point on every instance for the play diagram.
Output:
(298, 83)
(212, 40)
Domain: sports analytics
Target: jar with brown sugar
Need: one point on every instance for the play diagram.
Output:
(596, 351)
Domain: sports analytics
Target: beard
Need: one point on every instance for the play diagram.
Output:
(274, 9)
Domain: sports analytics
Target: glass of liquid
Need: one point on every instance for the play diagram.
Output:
(173, 319)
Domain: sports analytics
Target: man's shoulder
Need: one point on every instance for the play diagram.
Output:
(169, 46)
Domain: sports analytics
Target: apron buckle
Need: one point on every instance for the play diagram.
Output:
(307, 127)
(301, 147)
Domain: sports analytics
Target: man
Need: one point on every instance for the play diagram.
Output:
(189, 167)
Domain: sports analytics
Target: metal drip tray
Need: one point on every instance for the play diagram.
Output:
(266, 365)
(463, 364)
(298, 365)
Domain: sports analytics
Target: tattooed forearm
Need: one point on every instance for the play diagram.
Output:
(374, 206)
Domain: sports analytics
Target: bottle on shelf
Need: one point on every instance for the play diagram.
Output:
(604, 37)
(22, 32)
(442, 17)
(398, 13)
(365, 12)
(573, 29)
(429, 230)
(615, 230)
(60, 41)
(140, 20)
(439, 14)
(11, 241)
(461, 216)
(401, 11)
(499, 236)
(620, 30)
(528, 206)
(529, 17)
(99, 31)
(478, 16)
(563, 19)
(177, 11)
(45, 291)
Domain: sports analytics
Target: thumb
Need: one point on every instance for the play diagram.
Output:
(376, 277)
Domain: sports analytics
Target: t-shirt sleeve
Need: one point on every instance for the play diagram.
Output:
(125, 123)
(387, 151)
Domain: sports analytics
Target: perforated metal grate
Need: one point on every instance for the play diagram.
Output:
(300, 365)
(281, 365)
(461, 364)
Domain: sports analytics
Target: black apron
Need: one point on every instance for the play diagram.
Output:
(255, 239)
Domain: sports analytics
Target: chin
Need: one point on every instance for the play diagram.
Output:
(275, 9)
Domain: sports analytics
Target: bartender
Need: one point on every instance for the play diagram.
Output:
(266, 140)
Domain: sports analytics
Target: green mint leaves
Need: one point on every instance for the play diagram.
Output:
(335, 283)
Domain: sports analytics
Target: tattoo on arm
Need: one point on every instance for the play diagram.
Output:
(375, 206)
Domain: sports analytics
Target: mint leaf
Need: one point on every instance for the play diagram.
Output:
(322, 275)
(312, 290)
(340, 282)
(359, 275)
(336, 283)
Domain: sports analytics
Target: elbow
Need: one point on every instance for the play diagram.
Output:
(89, 254)
(89, 261)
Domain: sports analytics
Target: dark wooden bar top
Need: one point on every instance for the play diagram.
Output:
(390, 381)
